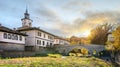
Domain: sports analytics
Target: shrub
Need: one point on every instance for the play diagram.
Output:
(55, 55)
(79, 52)
(84, 51)
(72, 54)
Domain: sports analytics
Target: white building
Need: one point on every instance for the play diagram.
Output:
(36, 36)
(60, 41)
(11, 40)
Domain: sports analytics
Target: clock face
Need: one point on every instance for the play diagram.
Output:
(26, 22)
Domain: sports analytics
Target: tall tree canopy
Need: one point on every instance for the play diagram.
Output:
(99, 34)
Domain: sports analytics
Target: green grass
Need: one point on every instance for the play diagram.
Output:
(54, 62)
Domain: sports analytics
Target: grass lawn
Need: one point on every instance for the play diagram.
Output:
(54, 62)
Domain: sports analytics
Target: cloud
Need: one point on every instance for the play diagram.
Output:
(77, 5)
(80, 26)
(49, 15)
(56, 25)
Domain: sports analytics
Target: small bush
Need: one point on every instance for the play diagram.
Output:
(72, 54)
(55, 55)
(79, 54)
(84, 51)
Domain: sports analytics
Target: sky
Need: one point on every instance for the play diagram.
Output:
(61, 17)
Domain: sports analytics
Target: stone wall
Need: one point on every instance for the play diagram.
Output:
(14, 54)
(11, 47)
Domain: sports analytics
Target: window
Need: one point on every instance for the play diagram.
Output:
(16, 37)
(47, 43)
(40, 42)
(44, 35)
(5, 35)
(50, 44)
(43, 43)
(9, 36)
(13, 37)
(39, 33)
(37, 41)
(48, 37)
(20, 38)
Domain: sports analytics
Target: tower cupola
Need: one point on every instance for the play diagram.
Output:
(26, 21)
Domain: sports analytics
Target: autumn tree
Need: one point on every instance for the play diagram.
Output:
(116, 35)
(99, 34)
(114, 45)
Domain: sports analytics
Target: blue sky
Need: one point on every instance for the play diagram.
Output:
(61, 17)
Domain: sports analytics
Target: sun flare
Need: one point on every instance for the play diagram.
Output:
(86, 33)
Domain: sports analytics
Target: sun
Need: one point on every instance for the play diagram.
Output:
(86, 33)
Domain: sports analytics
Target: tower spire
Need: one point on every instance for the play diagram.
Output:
(26, 21)
(26, 14)
(26, 10)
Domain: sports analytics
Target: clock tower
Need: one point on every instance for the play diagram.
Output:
(26, 21)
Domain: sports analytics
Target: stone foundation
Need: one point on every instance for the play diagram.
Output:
(11, 47)
(14, 54)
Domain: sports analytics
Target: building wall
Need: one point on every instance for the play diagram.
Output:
(34, 37)
(43, 37)
(11, 47)
(30, 39)
(2, 39)
(56, 41)
(61, 42)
